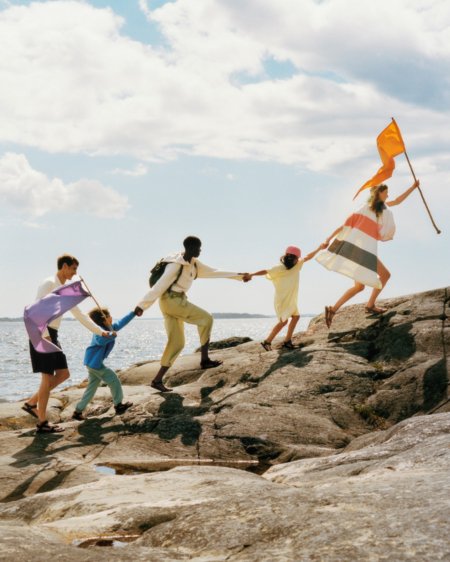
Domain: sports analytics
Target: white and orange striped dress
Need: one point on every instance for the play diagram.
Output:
(354, 250)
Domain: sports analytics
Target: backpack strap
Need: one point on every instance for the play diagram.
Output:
(176, 278)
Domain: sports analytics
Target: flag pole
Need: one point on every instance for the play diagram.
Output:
(92, 296)
(420, 191)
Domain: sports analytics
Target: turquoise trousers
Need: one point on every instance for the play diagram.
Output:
(96, 378)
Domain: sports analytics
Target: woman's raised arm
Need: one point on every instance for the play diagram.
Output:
(404, 195)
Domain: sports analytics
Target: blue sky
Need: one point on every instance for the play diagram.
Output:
(128, 125)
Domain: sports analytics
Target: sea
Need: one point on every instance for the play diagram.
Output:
(142, 340)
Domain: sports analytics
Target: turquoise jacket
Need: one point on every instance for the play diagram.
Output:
(101, 346)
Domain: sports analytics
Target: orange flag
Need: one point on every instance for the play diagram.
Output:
(390, 144)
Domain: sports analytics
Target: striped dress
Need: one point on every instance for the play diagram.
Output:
(354, 251)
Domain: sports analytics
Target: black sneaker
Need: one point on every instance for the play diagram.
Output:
(122, 407)
(77, 415)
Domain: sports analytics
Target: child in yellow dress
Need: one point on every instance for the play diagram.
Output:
(285, 278)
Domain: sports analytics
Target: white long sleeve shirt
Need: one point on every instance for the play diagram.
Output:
(49, 285)
(191, 270)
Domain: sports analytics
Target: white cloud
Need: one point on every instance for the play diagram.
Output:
(35, 195)
(143, 5)
(74, 83)
(139, 170)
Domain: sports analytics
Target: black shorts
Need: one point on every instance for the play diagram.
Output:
(48, 362)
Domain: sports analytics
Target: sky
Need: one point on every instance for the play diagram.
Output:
(128, 125)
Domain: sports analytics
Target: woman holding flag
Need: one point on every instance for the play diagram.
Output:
(354, 249)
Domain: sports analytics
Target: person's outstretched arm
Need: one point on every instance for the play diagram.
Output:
(116, 326)
(166, 280)
(310, 256)
(204, 271)
(330, 238)
(404, 195)
(260, 272)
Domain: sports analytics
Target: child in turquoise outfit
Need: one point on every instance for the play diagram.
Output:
(95, 354)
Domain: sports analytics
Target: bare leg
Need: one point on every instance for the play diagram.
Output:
(159, 376)
(43, 395)
(291, 327)
(60, 376)
(384, 277)
(357, 288)
(277, 328)
(330, 311)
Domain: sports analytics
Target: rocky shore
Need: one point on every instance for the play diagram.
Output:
(338, 450)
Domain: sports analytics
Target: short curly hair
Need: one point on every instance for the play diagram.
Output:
(98, 315)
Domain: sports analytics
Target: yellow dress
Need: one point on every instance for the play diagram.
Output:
(286, 283)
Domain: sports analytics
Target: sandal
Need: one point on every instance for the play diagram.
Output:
(210, 364)
(288, 344)
(266, 345)
(329, 315)
(375, 310)
(45, 427)
(29, 409)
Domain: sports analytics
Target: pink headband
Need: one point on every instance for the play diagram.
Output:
(293, 250)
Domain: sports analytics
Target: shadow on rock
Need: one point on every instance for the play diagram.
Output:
(294, 358)
(435, 384)
(35, 453)
(380, 341)
(175, 419)
(93, 430)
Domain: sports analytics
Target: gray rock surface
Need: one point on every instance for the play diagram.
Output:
(344, 441)
(227, 342)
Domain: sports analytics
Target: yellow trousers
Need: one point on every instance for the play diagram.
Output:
(177, 310)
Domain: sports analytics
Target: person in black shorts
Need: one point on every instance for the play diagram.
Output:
(53, 366)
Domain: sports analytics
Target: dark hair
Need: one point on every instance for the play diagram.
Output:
(68, 259)
(191, 242)
(289, 260)
(375, 204)
(98, 315)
